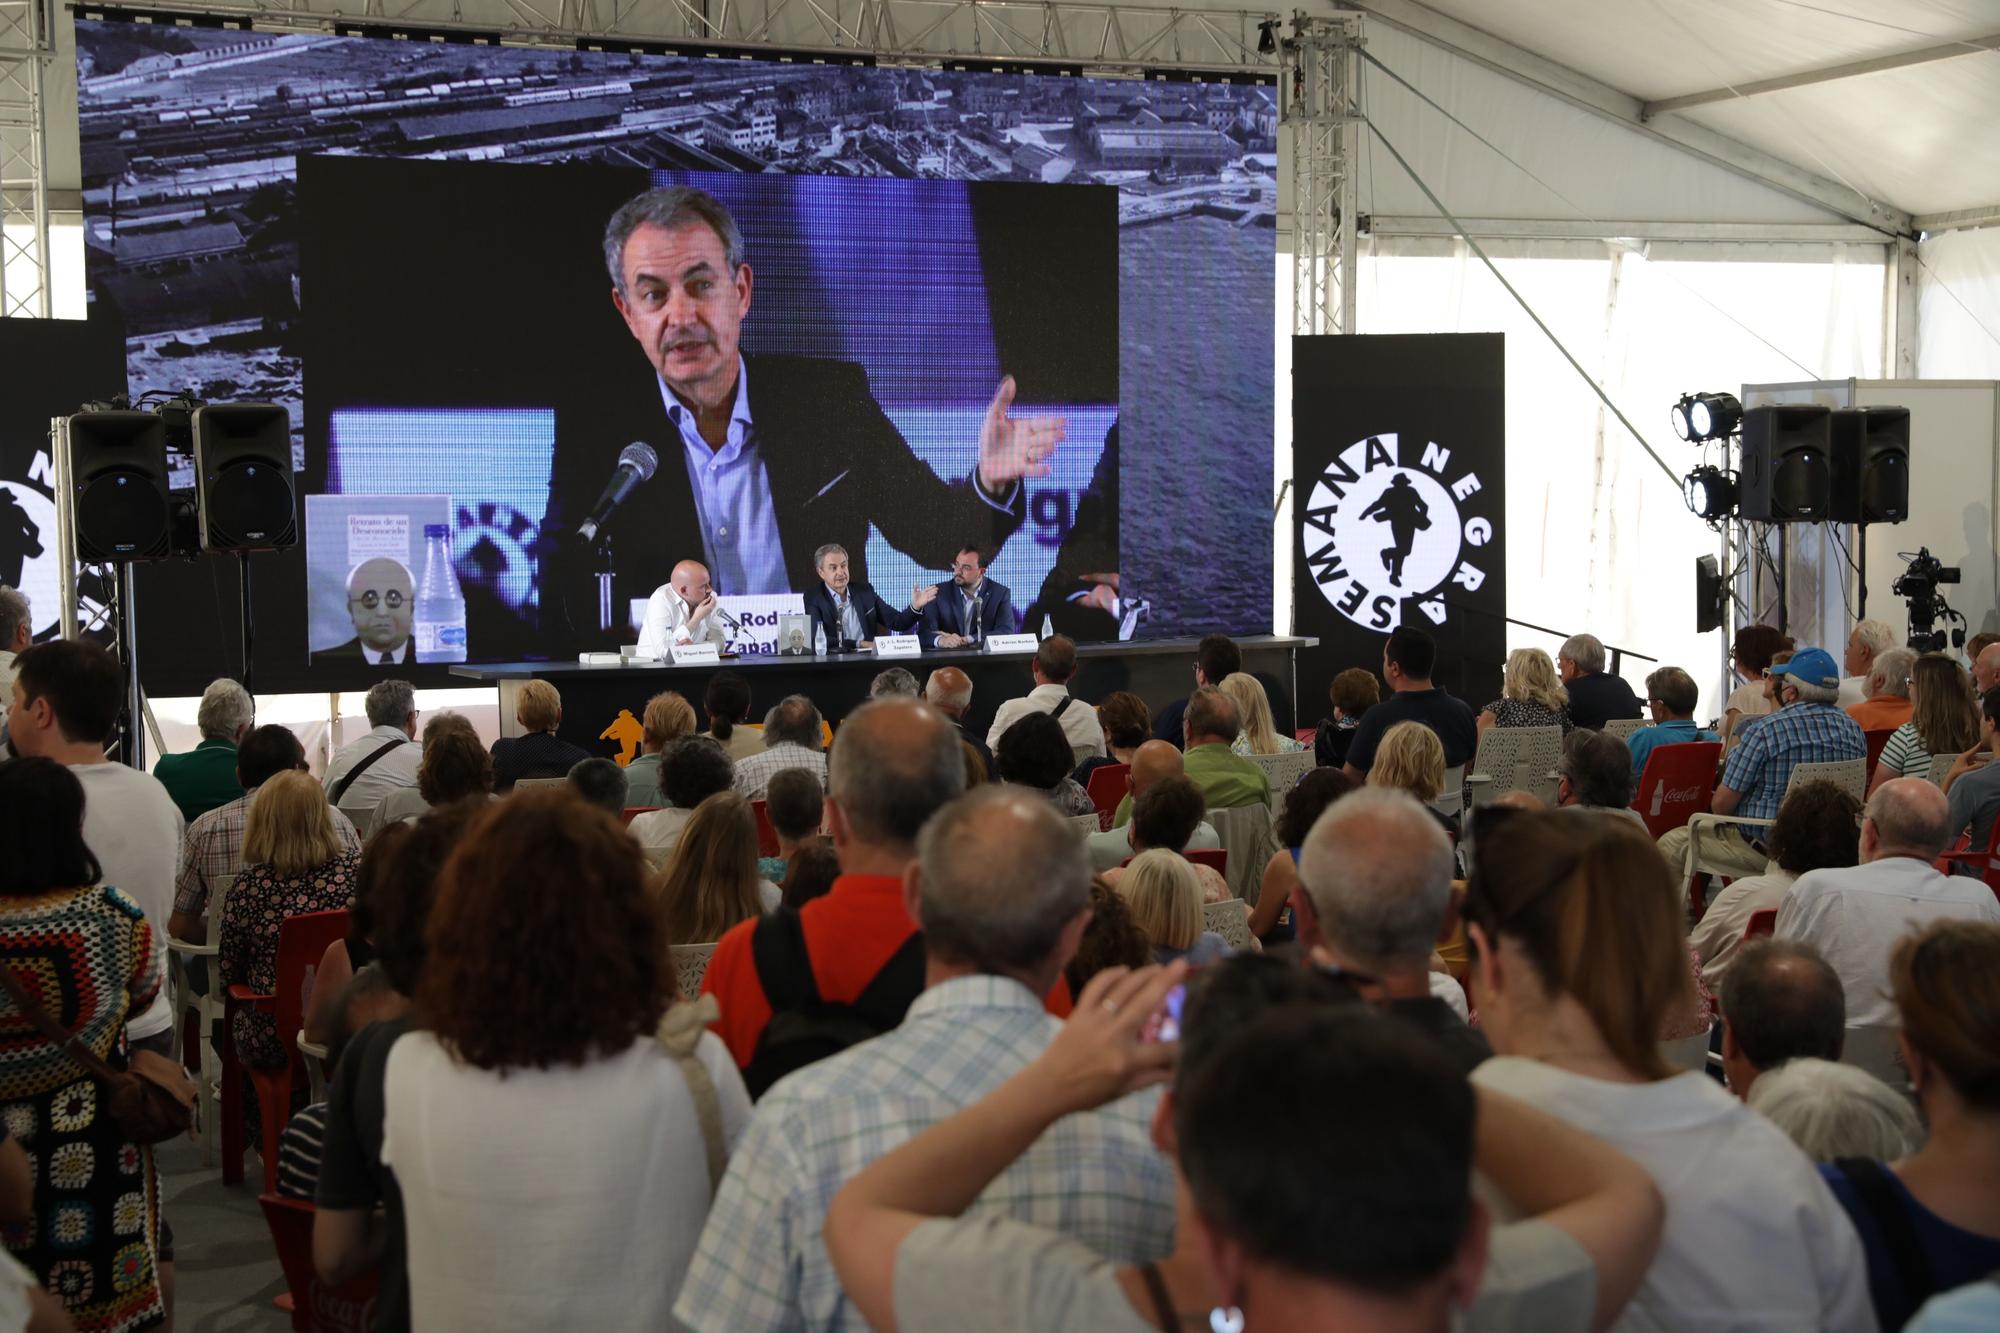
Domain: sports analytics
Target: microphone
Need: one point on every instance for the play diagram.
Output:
(636, 463)
(735, 625)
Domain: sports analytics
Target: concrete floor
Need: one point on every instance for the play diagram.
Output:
(226, 1271)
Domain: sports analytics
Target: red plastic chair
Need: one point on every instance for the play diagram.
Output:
(632, 812)
(1876, 740)
(767, 836)
(1217, 857)
(316, 1307)
(1762, 923)
(1678, 781)
(1306, 735)
(302, 942)
(1983, 860)
(1108, 785)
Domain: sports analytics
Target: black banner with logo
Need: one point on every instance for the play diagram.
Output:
(1399, 487)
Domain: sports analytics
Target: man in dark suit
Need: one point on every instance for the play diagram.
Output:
(850, 614)
(381, 603)
(765, 457)
(968, 606)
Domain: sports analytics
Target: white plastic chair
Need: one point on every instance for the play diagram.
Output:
(1940, 765)
(690, 966)
(529, 784)
(208, 1010)
(1231, 920)
(1085, 824)
(1450, 802)
(1245, 833)
(1516, 759)
(1851, 775)
(314, 1055)
(1623, 727)
(1284, 770)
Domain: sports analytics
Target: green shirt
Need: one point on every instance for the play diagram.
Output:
(200, 779)
(1227, 780)
(642, 781)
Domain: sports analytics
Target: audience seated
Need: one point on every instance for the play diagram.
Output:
(1053, 667)
(1166, 818)
(1578, 956)
(366, 998)
(1034, 753)
(1374, 899)
(1271, 915)
(362, 773)
(514, 1116)
(1361, 1219)
(1944, 720)
(1002, 890)
(1816, 830)
(1865, 642)
(17, 631)
(1227, 780)
(1411, 760)
(711, 882)
(212, 854)
(949, 690)
(1806, 729)
(726, 703)
(292, 864)
(1112, 939)
(1835, 1111)
(1779, 1002)
(1352, 693)
(893, 683)
(1595, 696)
(1769, 690)
(1595, 773)
(1671, 696)
(1531, 695)
(668, 717)
(1750, 657)
(454, 766)
(1853, 915)
(1253, 706)
(692, 769)
(538, 752)
(1126, 723)
(1155, 761)
(1408, 658)
(1973, 783)
(793, 738)
(600, 782)
(1216, 658)
(89, 954)
(795, 803)
(810, 873)
(1980, 650)
(1887, 704)
(205, 777)
(896, 762)
(1942, 1202)
(1166, 896)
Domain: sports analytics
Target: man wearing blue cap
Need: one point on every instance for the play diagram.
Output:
(1808, 728)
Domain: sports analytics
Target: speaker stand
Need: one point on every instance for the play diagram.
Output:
(1860, 571)
(243, 583)
(125, 622)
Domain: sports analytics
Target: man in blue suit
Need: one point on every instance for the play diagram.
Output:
(968, 606)
(849, 615)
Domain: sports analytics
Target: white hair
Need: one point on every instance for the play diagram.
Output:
(1833, 1110)
(1890, 673)
(1876, 634)
(935, 691)
(1813, 694)
(1586, 650)
(226, 709)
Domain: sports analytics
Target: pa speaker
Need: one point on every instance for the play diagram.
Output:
(1870, 461)
(1784, 473)
(243, 477)
(118, 483)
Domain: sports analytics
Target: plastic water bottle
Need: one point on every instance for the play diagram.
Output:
(440, 620)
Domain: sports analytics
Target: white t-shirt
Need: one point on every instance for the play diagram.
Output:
(1754, 1238)
(555, 1198)
(1444, 986)
(398, 768)
(660, 829)
(134, 829)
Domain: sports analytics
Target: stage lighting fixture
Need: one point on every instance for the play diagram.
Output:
(1706, 416)
(1710, 492)
(1267, 37)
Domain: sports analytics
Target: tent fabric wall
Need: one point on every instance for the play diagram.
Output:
(1958, 305)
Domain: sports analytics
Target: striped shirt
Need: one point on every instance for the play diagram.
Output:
(1095, 1177)
(753, 774)
(299, 1152)
(1801, 733)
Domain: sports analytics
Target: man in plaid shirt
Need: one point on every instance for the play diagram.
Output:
(1002, 889)
(792, 739)
(1808, 728)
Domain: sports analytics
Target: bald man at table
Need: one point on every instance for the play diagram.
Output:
(682, 611)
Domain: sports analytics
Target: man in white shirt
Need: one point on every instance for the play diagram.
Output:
(682, 611)
(67, 694)
(1003, 892)
(1855, 916)
(1868, 638)
(692, 769)
(793, 738)
(366, 769)
(1054, 665)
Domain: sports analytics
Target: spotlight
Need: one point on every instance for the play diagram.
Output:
(1710, 492)
(1267, 37)
(1706, 416)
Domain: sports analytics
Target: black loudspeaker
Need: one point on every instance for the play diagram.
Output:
(1709, 594)
(118, 482)
(1870, 460)
(243, 477)
(1784, 473)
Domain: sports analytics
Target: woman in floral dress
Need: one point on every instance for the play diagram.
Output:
(85, 952)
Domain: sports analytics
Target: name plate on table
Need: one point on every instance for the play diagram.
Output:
(1012, 643)
(898, 645)
(696, 654)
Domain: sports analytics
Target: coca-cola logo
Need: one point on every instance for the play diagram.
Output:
(1678, 794)
(335, 1312)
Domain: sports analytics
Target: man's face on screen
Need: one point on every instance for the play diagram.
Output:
(686, 309)
(833, 571)
(966, 571)
(379, 600)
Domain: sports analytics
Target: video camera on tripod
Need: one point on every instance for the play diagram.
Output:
(1918, 586)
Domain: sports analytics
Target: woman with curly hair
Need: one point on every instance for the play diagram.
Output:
(1035, 752)
(1818, 828)
(556, 1129)
(1531, 694)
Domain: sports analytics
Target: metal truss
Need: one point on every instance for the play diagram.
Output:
(1130, 40)
(26, 47)
(1316, 93)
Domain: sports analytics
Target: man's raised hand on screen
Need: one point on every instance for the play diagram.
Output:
(922, 596)
(1013, 448)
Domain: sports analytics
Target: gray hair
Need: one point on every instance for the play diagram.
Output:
(1377, 869)
(1911, 816)
(668, 207)
(1876, 634)
(1586, 651)
(1891, 672)
(819, 556)
(1833, 1110)
(390, 703)
(793, 718)
(897, 761)
(601, 782)
(944, 698)
(1813, 694)
(1783, 1001)
(1599, 768)
(895, 683)
(14, 613)
(226, 708)
(1000, 875)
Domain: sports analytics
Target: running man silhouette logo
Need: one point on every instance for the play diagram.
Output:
(20, 538)
(628, 732)
(1367, 493)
